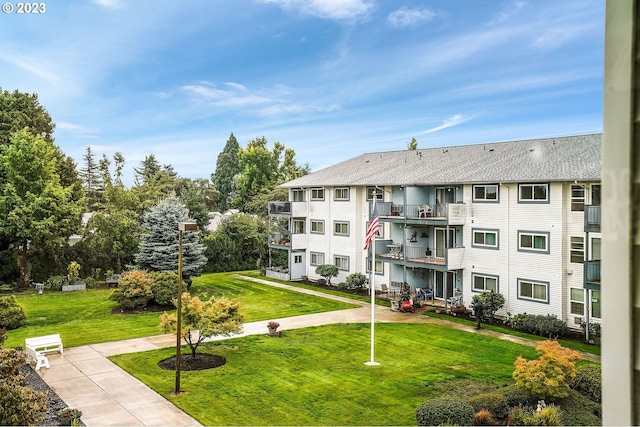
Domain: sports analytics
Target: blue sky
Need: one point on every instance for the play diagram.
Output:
(330, 79)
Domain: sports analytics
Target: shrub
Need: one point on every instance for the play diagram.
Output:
(515, 396)
(491, 302)
(578, 410)
(482, 417)
(164, 287)
(493, 402)
(550, 374)
(517, 321)
(522, 416)
(548, 415)
(69, 416)
(133, 291)
(327, 271)
(544, 325)
(321, 282)
(588, 381)
(56, 282)
(445, 411)
(12, 314)
(356, 280)
(19, 405)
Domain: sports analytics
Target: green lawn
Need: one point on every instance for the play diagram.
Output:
(317, 376)
(84, 317)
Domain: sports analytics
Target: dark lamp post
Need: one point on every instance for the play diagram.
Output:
(183, 226)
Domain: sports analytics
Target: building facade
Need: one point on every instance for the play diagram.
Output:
(520, 218)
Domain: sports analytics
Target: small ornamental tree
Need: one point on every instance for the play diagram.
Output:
(491, 302)
(12, 314)
(204, 319)
(550, 375)
(327, 271)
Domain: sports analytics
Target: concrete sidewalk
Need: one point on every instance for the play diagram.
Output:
(85, 379)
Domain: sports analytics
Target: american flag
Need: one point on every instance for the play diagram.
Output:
(372, 230)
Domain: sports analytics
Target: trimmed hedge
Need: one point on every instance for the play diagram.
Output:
(445, 411)
(588, 381)
(495, 403)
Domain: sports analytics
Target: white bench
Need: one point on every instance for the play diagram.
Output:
(38, 346)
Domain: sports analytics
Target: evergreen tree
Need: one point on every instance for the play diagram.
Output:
(91, 180)
(158, 249)
(226, 169)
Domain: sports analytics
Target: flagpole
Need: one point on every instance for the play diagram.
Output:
(372, 290)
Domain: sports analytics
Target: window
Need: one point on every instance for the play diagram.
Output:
(577, 198)
(297, 259)
(533, 193)
(317, 258)
(380, 233)
(531, 241)
(596, 247)
(341, 228)
(317, 226)
(298, 226)
(595, 194)
(532, 290)
(595, 304)
(379, 267)
(341, 193)
(576, 297)
(379, 192)
(485, 193)
(317, 193)
(297, 195)
(342, 262)
(485, 239)
(577, 249)
(483, 282)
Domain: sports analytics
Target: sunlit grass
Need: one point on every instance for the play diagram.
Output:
(85, 317)
(317, 376)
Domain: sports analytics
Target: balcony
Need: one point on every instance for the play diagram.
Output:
(592, 275)
(592, 218)
(450, 213)
(280, 208)
(280, 239)
(450, 258)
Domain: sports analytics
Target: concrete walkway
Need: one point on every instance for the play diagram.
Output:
(85, 379)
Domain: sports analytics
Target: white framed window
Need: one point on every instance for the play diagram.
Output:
(341, 193)
(485, 239)
(341, 261)
(533, 241)
(576, 298)
(341, 228)
(485, 193)
(297, 195)
(533, 193)
(379, 266)
(577, 198)
(299, 226)
(317, 258)
(577, 249)
(379, 193)
(484, 282)
(533, 290)
(317, 226)
(596, 304)
(317, 193)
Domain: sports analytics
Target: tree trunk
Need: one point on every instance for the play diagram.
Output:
(23, 262)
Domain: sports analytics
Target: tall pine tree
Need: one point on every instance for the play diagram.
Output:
(91, 180)
(227, 167)
(158, 249)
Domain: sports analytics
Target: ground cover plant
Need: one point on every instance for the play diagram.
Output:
(317, 376)
(86, 317)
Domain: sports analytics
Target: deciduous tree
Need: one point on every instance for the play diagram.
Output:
(204, 319)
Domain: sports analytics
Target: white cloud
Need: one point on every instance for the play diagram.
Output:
(558, 36)
(405, 17)
(282, 109)
(109, 4)
(508, 11)
(76, 129)
(231, 94)
(341, 10)
(447, 123)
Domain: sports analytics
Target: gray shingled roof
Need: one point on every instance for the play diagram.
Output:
(551, 159)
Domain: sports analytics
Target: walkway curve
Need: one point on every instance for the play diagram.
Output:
(85, 379)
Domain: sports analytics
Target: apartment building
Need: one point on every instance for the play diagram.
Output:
(521, 218)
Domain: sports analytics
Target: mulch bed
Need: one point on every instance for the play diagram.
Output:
(190, 363)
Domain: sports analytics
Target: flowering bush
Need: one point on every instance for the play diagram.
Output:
(69, 416)
(273, 325)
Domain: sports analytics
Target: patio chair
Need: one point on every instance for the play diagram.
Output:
(424, 211)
